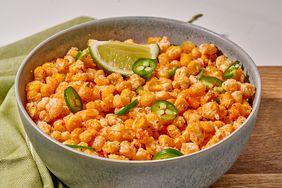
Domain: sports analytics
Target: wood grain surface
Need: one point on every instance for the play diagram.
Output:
(260, 164)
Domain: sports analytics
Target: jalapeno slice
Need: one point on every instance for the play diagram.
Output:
(80, 147)
(171, 72)
(165, 110)
(210, 81)
(167, 153)
(73, 100)
(201, 73)
(80, 54)
(144, 67)
(125, 109)
(218, 89)
(231, 70)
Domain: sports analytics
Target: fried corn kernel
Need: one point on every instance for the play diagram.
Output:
(189, 147)
(173, 52)
(187, 46)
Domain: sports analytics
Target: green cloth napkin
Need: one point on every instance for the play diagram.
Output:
(20, 166)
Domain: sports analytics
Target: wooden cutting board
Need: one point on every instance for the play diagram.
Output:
(260, 164)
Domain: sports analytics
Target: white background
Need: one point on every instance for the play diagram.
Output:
(255, 25)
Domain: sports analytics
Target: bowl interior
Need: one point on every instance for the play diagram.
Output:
(137, 28)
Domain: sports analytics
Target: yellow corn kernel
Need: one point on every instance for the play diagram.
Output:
(153, 40)
(111, 147)
(181, 104)
(70, 142)
(45, 127)
(86, 136)
(65, 135)
(87, 114)
(226, 99)
(140, 123)
(193, 67)
(49, 68)
(39, 74)
(79, 77)
(165, 140)
(185, 59)
(163, 95)
(186, 135)
(231, 85)
(187, 46)
(222, 63)
(208, 49)
(207, 126)
(72, 122)
(196, 53)
(62, 65)
(93, 124)
(43, 115)
(118, 157)
(59, 125)
(98, 143)
(127, 149)
(33, 96)
(75, 134)
(46, 90)
(142, 154)
(57, 135)
(247, 90)
(173, 52)
(101, 80)
(58, 77)
(178, 141)
(209, 110)
(115, 78)
(76, 67)
(147, 99)
(33, 86)
(196, 133)
(188, 148)
(173, 131)
(32, 110)
(163, 59)
(197, 90)
(73, 51)
(239, 121)
(136, 81)
(191, 116)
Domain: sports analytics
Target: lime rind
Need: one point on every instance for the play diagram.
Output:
(114, 56)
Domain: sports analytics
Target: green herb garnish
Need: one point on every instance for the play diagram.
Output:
(80, 147)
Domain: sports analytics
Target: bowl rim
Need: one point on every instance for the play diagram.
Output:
(21, 108)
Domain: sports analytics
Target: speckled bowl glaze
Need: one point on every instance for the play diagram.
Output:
(76, 169)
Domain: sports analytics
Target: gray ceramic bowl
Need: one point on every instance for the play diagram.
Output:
(76, 169)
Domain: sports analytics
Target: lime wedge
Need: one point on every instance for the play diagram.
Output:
(114, 56)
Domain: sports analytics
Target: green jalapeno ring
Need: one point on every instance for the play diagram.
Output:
(164, 109)
(231, 70)
(125, 109)
(73, 100)
(80, 147)
(210, 81)
(144, 67)
(167, 153)
(219, 89)
(201, 73)
(80, 54)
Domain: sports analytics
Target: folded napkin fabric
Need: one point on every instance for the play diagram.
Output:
(20, 166)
